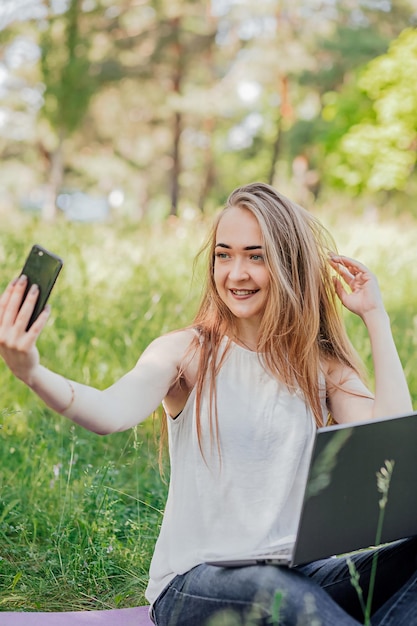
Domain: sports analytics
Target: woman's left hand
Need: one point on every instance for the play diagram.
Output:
(363, 295)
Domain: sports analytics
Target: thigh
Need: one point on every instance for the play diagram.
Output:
(395, 564)
(246, 596)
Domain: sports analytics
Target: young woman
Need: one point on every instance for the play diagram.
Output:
(266, 361)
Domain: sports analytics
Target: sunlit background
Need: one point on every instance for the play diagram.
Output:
(145, 108)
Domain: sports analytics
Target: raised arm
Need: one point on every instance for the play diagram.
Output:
(129, 401)
(391, 396)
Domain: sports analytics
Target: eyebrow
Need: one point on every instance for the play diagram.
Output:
(225, 245)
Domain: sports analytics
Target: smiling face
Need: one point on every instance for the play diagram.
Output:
(240, 273)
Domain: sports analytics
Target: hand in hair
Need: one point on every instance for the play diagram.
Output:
(363, 295)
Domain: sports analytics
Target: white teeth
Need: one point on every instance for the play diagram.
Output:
(243, 292)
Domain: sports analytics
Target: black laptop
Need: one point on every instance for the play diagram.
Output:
(342, 498)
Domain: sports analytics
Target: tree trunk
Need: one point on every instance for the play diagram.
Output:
(177, 121)
(56, 175)
(276, 147)
(208, 164)
(285, 115)
(176, 163)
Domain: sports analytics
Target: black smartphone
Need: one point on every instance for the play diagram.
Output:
(41, 268)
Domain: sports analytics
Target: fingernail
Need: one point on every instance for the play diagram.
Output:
(34, 289)
(22, 279)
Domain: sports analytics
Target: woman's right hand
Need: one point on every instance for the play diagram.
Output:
(18, 345)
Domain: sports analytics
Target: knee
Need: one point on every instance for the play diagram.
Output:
(285, 595)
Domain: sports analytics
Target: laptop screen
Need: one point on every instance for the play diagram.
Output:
(344, 502)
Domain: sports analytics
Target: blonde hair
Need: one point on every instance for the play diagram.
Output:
(302, 322)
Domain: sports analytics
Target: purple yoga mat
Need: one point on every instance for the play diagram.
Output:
(138, 616)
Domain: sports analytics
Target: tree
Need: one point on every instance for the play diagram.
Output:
(69, 86)
(176, 101)
(361, 32)
(170, 44)
(379, 153)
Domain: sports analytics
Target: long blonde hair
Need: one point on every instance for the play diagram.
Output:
(302, 322)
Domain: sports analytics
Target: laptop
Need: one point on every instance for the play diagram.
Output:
(341, 505)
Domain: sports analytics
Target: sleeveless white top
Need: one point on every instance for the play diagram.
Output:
(247, 502)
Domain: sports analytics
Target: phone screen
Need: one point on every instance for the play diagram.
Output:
(41, 268)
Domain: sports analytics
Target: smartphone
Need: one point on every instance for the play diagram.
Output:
(41, 268)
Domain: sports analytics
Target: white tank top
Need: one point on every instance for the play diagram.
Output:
(249, 501)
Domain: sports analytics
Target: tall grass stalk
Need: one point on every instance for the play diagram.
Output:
(384, 476)
(383, 482)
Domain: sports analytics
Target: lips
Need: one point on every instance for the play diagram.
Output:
(244, 292)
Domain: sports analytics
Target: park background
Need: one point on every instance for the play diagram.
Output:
(123, 127)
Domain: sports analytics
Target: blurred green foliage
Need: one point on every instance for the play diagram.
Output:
(175, 103)
(380, 153)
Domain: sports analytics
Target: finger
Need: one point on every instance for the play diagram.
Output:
(352, 272)
(340, 290)
(344, 272)
(40, 322)
(15, 301)
(354, 266)
(29, 338)
(5, 297)
(27, 308)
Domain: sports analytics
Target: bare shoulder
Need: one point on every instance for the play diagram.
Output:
(348, 398)
(171, 348)
(176, 357)
(177, 341)
(338, 373)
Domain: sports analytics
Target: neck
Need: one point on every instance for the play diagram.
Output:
(249, 345)
(246, 338)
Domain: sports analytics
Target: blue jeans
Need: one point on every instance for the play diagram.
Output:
(317, 594)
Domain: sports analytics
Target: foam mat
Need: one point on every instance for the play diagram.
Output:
(138, 616)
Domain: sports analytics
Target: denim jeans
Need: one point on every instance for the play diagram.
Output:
(317, 594)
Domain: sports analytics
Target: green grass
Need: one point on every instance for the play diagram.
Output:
(79, 513)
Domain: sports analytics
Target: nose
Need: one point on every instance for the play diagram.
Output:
(238, 270)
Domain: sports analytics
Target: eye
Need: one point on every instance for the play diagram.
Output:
(221, 255)
(257, 257)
